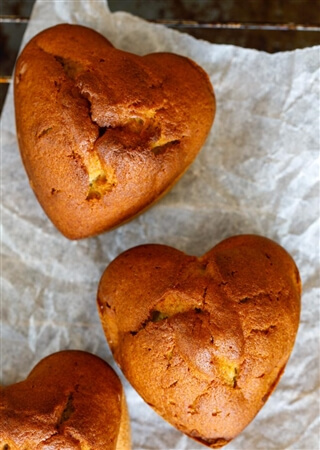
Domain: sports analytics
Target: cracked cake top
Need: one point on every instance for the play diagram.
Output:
(104, 133)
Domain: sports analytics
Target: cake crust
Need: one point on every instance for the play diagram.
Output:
(203, 340)
(104, 133)
(70, 400)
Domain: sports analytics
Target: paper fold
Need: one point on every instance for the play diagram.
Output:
(257, 173)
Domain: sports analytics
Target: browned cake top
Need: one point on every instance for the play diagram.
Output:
(71, 399)
(102, 132)
(203, 340)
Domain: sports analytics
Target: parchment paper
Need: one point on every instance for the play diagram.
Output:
(257, 173)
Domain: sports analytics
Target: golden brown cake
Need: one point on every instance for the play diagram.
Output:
(70, 400)
(203, 340)
(104, 133)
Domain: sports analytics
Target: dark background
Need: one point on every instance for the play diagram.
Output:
(255, 12)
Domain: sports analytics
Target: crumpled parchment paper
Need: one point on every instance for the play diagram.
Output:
(257, 173)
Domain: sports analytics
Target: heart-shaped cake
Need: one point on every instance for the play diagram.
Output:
(104, 133)
(203, 340)
(70, 400)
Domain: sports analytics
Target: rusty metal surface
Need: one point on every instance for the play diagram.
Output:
(13, 19)
(189, 24)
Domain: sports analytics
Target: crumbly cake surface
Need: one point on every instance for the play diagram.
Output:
(104, 133)
(70, 400)
(203, 340)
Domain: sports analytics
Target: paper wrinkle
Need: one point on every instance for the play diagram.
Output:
(257, 173)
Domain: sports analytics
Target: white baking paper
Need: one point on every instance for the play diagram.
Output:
(257, 173)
